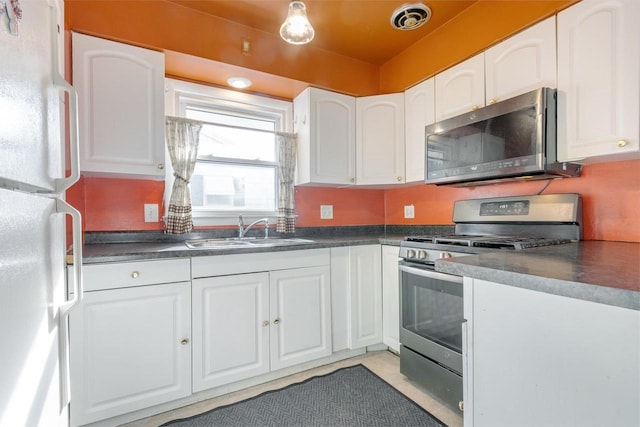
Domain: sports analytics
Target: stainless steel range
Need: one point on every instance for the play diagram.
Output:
(431, 303)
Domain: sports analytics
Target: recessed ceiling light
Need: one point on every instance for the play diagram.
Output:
(239, 82)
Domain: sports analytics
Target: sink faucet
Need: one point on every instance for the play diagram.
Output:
(242, 231)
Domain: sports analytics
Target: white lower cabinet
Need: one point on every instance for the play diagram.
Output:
(390, 297)
(129, 349)
(249, 324)
(356, 296)
(230, 329)
(536, 359)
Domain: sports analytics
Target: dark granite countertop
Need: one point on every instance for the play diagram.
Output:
(135, 251)
(597, 271)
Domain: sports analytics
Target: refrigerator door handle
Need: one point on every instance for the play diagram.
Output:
(68, 304)
(62, 184)
(78, 291)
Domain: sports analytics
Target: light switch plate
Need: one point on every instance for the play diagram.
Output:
(409, 211)
(150, 212)
(326, 211)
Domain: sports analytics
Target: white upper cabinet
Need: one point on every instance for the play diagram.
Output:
(419, 108)
(325, 124)
(598, 80)
(121, 107)
(518, 65)
(522, 63)
(460, 88)
(380, 139)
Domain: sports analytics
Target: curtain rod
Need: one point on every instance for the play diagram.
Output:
(228, 126)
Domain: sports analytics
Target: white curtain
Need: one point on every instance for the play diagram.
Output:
(182, 142)
(286, 170)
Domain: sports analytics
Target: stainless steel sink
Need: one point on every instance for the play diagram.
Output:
(245, 242)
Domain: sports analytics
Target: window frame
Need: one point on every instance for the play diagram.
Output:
(180, 94)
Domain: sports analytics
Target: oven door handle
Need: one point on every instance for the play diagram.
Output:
(430, 274)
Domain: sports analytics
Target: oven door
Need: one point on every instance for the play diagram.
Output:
(431, 314)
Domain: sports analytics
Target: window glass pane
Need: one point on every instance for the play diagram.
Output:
(220, 141)
(231, 187)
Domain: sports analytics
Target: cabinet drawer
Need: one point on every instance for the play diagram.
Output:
(139, 273)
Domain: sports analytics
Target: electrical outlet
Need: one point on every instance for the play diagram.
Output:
(409, 211)
(326, 211)
(150, 213)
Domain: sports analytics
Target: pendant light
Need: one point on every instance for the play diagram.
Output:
(297, 29)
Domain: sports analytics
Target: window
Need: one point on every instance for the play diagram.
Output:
(236, 169)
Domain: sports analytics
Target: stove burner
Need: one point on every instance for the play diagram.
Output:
(496, 242)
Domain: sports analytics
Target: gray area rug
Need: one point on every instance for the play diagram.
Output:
(352, 396)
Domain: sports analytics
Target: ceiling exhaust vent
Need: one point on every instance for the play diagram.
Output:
(410, 16)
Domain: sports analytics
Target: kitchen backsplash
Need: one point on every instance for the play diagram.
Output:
(610, 191)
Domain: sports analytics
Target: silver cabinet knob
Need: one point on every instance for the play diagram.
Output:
(265, 323)
(184, 341)
(135, 275)
(461, 405)
(475, 107)
(492, 101)
(160, 166)
(352, 180)
(276, 321)
(622, 143)
(399, 178)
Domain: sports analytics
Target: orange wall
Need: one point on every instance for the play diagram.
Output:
(186, 36)
(166, 26)
(610, 191)
(468, 33)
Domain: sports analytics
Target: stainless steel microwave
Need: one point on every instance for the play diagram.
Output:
(510, 140)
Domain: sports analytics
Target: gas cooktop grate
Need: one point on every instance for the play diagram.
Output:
(495, 242)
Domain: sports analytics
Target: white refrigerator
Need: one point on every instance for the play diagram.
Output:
(34, 302)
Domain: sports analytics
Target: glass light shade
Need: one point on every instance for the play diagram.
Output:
(297, 29)
(239, 82)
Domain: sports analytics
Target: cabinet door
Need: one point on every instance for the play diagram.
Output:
(540, 359)
(129, 350)
(121, 107)
(366, 295)
(230, 329)
(390, 297)
(522, 63)
(598, 83)
(300, 315)
(419, 107)
(460, 88)
(380, 139)
(325, 124)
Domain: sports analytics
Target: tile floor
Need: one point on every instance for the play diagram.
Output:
(385, 364)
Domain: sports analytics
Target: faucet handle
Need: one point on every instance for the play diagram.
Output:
(266, 228)
(240, 222)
